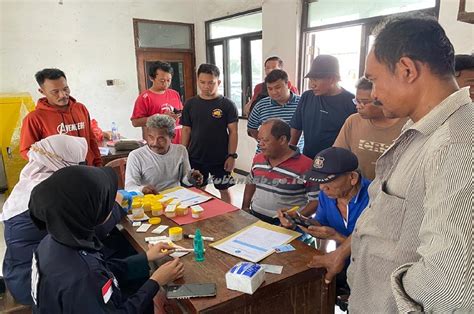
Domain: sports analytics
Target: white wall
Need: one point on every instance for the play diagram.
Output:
(281, 25)
(92, 41)
(461, 34)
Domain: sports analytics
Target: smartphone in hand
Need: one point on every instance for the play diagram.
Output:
(301, 220)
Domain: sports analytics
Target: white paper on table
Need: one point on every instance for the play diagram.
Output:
(254, 243)
(157, 239)
(273, 269)
(159, 229)
(143, 228)
(188, 197)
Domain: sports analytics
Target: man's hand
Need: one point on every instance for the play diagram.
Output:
(229, 164)
(155, 251)
(333, 263)
(173, 115)
(149, 190)
(198, 177)
(247, 108)
(324, 232)
(283, 221)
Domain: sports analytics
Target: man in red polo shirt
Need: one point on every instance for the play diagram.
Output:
(158, 99)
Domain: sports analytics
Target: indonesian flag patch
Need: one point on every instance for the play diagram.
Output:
(107, 291)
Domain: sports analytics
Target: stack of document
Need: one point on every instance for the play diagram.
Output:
(256, 241)
(186, 197)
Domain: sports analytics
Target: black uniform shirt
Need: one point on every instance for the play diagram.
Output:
(67, 280)
(208, 120)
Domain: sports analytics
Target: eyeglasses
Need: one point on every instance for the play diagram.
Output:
(360, 102)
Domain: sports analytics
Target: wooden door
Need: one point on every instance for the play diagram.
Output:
(183, 65)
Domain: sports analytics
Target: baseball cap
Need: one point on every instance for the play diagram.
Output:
(323, 66)
(331, 163)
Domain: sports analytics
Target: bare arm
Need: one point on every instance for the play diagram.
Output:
(139, 122)
(232, 146)
(248, 194)
(252, 133)
(233, 137)
(186, 136)
(295, 136)
(309, 209)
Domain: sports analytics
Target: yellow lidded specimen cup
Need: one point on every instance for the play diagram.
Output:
(157, 209)
(175, 233)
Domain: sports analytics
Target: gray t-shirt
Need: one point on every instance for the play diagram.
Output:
(145, 167)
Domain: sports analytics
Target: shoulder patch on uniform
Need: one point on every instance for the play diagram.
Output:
(107, 291)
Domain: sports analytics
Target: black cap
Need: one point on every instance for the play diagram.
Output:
(330, 163)
(464, 62)
(324, 66)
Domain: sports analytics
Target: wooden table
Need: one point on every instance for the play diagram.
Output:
(298, 289)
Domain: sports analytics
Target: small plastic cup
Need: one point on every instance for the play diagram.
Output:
(181, 211)
(138, 213)
(156, 209)
(175, 233)
(146, 206)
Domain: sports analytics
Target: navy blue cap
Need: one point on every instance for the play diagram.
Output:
(330, 163)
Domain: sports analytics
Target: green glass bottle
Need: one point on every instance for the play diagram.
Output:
(198, 246)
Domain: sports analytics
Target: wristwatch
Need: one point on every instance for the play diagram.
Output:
(234, 155)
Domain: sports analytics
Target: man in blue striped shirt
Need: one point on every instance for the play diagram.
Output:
(281, 104)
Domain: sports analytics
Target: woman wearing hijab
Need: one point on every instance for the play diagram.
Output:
(21, 235)
(69, 274)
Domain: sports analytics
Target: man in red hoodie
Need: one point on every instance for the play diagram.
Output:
(57, 113)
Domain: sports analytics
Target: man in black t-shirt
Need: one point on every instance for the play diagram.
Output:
(321, 111)
(210, 131)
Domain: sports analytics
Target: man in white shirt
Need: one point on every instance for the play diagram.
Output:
(160, 164)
